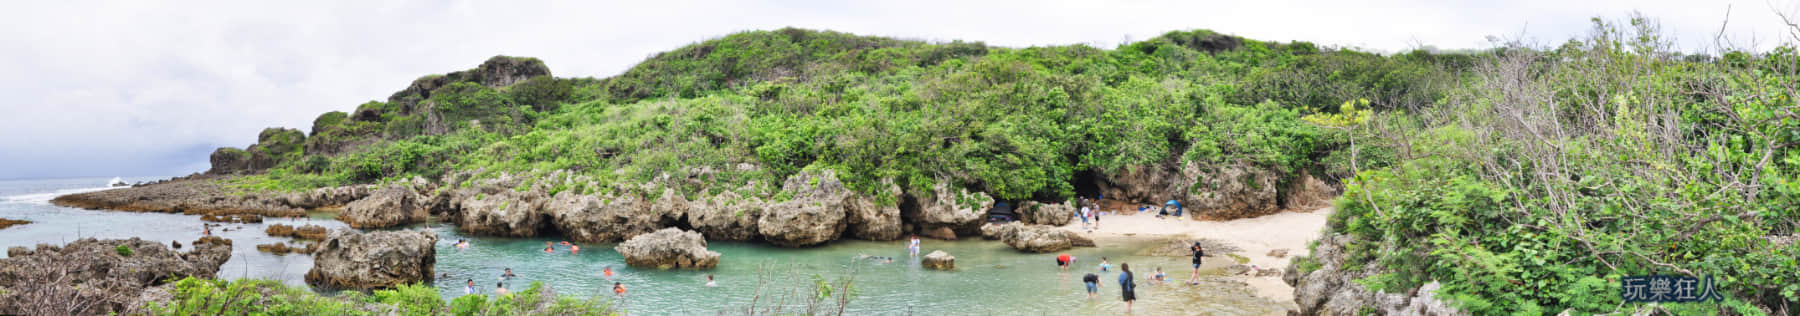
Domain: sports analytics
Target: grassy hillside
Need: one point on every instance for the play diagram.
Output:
(1527, 180)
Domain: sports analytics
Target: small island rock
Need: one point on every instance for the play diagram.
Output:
(668, 248)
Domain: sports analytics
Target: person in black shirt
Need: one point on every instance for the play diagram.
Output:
(1093, 285)
(1198, 252)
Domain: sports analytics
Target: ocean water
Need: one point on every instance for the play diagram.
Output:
(990, 279)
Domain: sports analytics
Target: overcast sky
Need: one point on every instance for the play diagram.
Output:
(150, 88)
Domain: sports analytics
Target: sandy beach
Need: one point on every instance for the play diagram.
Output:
(1255, 237)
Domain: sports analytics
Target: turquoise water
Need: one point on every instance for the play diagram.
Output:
(990, 277)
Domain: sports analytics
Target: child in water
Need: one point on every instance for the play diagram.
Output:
(1104, 265)
(913, 247)
(1159, 278)
(607, 272)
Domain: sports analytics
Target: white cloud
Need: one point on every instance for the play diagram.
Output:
(150, 87)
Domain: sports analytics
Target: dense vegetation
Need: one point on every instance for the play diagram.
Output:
(1552, 174)
(1525, 179)
(269, 297)
(757, 107)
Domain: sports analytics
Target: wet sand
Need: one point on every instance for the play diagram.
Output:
(1255, 237)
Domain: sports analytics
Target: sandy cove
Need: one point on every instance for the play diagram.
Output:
(1255, 237)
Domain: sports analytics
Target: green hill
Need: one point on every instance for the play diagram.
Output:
(1524, 180)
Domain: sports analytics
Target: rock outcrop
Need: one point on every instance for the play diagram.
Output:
(1233, 191)
(307, 232)
(815, 214)
(92, 276)
(1053, 214)
(376, 260)
(506, 213)
(727, 216)
(4, 222)
(391, 206)
(1037, 238)
(939, 260)
(668, 248)
(587, 218)
(1332, 290)
(871, 219)
(1220, 191)
(209, 195)
(947, 213)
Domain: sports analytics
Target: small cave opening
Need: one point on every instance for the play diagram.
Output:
(1087, 183)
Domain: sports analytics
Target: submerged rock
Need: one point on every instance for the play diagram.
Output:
(668, 248)
(92, 276)
(376, 260)
(391, 206)
(939, 260)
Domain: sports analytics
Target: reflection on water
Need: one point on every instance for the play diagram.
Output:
(990, 277)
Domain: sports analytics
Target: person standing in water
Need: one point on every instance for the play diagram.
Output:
(913, 247)
(500, 289)
(1092, 282)
(1063, 261)
(1198, 252)
(469, 289)
(1127, 287)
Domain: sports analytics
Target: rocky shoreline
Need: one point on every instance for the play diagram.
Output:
(97, 277)
(210, 195)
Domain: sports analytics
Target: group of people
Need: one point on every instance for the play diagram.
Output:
(573, 248)
(1127, 280)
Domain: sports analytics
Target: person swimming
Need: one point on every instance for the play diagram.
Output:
(508, 274)
(709, 281)
(500, 289)
(574, 249)
(565, 243)
(619, 288)
(607, 271)
(1104, 265)
(462, 243)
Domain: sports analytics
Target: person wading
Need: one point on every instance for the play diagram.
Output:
(1198, 252)
(1127, 287)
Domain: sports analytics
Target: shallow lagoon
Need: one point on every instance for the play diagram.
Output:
(990, 277)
